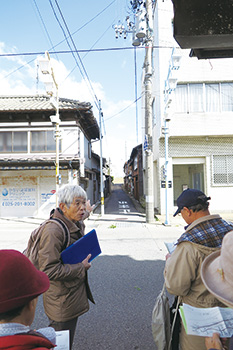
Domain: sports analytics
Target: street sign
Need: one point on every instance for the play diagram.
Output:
(146, 143)
(163, 184)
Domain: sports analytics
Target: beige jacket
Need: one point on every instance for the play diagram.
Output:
(69, 291)
(183, 275)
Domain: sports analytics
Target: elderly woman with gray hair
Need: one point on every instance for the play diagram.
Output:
(67, 297)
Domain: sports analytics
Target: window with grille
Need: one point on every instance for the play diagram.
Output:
(223, 169)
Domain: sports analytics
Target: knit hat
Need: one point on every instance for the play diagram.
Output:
(217, 271)
(190, 197)
(20, 281)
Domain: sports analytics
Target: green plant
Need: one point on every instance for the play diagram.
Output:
(112, 226)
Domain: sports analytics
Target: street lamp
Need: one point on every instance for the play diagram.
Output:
(52, 90)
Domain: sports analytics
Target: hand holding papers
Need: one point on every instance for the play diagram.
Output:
(62, 340)
(170, 246)
(78, 251)
(206, 321)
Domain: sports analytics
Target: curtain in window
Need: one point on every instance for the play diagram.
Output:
(212, 97)
(196, 97)
(227, 97)
(5, 142)
(181, 98)
(38, 141)
(20, 141)
(51, 142)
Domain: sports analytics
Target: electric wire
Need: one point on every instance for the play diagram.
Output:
(44, 26)
(92, 19)
(90, 49)
(82, 51)
(53, 46)
(124, 109)
(85, 75)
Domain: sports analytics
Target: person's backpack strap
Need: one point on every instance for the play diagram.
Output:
(65, 230)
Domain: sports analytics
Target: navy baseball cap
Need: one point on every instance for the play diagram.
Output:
(190, 197)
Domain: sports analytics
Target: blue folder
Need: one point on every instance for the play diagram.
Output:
(79, 250)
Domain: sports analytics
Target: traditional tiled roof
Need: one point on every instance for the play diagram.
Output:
(39, 103)
(39, 108)
(39, 161)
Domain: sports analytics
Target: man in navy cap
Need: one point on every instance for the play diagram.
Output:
(203, 235)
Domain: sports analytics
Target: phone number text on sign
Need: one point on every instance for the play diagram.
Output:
(18, 204)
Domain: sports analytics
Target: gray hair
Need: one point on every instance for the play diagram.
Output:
(67, 193)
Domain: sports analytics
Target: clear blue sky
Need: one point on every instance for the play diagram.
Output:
(30, 26)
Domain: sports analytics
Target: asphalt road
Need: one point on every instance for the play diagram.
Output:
(125, 279)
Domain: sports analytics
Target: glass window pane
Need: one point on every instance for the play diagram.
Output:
(227, 97)
(51, 142)
(5, 141)
(20, 141)
(38, 141)
(181, 98)
(212, 97)
(196, 97)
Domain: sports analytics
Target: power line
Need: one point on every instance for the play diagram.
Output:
(96, 101)
(124, 108)
(92, 47)
(82, 50)
(44, 26)
(92, 19)
(85, 24)
(53, 46)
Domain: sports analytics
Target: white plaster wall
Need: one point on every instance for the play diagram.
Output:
(70, 141)
(201, 124)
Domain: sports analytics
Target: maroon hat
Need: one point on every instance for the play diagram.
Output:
(20, 281)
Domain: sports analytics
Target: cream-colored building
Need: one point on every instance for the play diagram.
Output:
(200, 126)
(28, 153)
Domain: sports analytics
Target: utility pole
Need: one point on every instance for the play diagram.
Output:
(142, 34)
(101, 162)
(149, 180)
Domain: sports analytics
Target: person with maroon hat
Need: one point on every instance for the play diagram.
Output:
(203, 235)
(20, 285)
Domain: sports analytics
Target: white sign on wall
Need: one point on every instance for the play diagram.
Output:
(17, 201)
